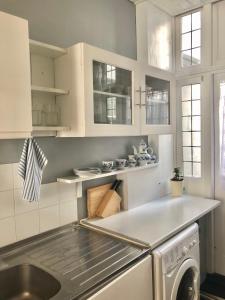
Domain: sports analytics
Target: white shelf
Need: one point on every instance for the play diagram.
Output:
(46, 49)
(157, 101)
(42, 89)
(50, 128)
(75, 179)
(111, 94)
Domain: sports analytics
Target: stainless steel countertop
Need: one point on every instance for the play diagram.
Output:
(80, 259)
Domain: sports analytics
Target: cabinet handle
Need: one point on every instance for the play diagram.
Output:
(140, 95)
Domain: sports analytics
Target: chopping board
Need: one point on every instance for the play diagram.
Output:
(94, 198)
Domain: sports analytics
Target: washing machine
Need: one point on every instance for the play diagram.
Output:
(176, 267)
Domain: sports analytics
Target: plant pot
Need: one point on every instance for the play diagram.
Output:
(176, 188)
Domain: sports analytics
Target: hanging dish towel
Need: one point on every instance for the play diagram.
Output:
(31, 166)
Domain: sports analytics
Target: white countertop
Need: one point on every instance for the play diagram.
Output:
(153, 223)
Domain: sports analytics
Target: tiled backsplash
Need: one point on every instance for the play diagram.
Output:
(20, 219)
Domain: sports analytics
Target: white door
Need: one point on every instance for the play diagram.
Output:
(134, 284)
(219, 169)
(15, 91)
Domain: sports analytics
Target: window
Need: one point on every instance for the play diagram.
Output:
(191, 39)
(191, 129)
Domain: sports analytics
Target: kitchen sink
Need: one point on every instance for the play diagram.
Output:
(27, 282)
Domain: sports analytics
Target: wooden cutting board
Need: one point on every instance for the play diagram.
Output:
(94, 197)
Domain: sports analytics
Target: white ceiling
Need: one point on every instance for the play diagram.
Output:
(175, 7)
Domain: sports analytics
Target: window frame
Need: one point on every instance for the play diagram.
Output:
(178, 42)
(191, 131)
(189, 180)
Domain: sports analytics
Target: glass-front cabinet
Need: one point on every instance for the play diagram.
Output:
(112, 95)
(157, 96)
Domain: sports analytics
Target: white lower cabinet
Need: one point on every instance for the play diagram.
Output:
(15, 95)
(135, 283)
(111, 95)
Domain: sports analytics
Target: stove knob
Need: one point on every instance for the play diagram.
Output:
(184, 251)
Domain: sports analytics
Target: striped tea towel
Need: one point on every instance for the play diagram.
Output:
(31, 166)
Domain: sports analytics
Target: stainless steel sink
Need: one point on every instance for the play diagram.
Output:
(27, 282)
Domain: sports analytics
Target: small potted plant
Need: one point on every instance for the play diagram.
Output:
(177, 183)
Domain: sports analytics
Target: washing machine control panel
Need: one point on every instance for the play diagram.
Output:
(178, 252)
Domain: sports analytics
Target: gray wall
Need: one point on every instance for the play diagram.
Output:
(109, 24)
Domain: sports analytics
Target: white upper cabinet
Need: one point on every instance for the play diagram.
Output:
(157, 101)
(102, 98)
(15, 93)
(111, 95)
(154, 36)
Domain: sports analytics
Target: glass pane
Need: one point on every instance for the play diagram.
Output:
(186, 23)
(157, 101)
(186, 289)
(186, 138)
(186, 123)
(196, 107)
(112, 110)
(187, 169)
(110, 79)
(186, 92)
(196, 169)
(196, 123)
(186, 108)
(186, 41)
(187, 154)
(196, 91)
(196, 56)
(196, 154)
(196, 20)
(186, 58)
(157, 113)
(196, 38)
(196, 138)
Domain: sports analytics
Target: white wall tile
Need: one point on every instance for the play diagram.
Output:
(6, 204)
(20, 219)
(6, 177)
(49, 195)
(27, 225)
(49, 218)
(66, 192)
(68, 212)
(7, 231)
(17, 180)
(21, 205)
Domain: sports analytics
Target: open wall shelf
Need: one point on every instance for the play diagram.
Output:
(47, 50)
(42, 89)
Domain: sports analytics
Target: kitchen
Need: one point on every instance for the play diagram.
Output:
(112, 149)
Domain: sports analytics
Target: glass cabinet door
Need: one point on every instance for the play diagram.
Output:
(157, 101)
(112, 88)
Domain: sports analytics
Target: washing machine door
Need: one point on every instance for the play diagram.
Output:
(186, 284)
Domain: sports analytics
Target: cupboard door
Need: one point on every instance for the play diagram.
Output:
(157, 110)
(15, 91)
(110, 94)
